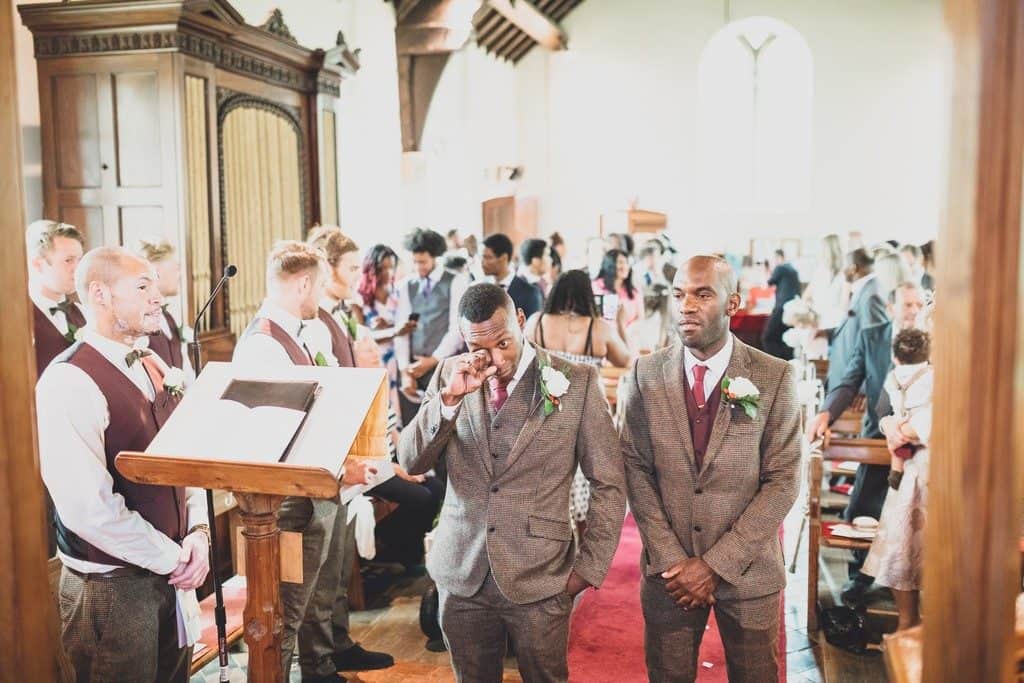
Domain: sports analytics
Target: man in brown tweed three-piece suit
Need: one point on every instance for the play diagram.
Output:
(709, 485)
(504, 556)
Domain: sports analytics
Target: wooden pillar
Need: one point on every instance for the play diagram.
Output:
(263, 621)
(972, 560)
(27, 635)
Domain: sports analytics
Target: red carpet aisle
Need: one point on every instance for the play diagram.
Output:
(606, 643)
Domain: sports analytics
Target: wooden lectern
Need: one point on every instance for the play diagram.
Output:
(347, 419)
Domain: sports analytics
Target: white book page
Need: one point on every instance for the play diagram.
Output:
(237, 432)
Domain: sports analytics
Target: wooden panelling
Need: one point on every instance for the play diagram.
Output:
(197, 175)
(329, 169)
(77, 131)
(140, 221)
(88, 219)
(137, 102)
(27, 621)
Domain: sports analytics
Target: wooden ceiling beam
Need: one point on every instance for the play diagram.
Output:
(511, 36)
(531, 21)
(486, 29)
(519, 48)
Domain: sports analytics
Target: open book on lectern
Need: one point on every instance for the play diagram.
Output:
(295, 415)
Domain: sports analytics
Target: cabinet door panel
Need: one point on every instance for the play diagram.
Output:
(88, 219)
(141, 221)
(137, 107)
(76, 128)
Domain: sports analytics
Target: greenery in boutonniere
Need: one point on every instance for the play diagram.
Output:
(352, 326)
(740, 392)
(73, 334)
(320, 360)
(553, 385)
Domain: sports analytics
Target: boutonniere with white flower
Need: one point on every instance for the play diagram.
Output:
(74, 334)
(553, 385)
(174, 382)
(186, 333)
(740, 392)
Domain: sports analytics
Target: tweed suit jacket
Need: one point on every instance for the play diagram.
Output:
(511, 515)
(729, 512)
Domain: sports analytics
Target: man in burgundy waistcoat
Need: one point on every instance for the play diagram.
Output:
(54, 250)
(167, 342)
(710, 480)
(284, 332)
(128, 549)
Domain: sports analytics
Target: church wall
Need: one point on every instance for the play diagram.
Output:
(615, 118)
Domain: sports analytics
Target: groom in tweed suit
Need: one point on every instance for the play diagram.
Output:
(504, 556)
(709, 485)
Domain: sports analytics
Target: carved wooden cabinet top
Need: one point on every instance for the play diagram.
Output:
(209, 30)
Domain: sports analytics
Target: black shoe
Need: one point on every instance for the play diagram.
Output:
(357, 659)
(326, 678)
(854, 593)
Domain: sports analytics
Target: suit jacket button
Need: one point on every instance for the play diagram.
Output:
(697, 529)
(433, 429)
(497, 425)
(699, 491)
(495, 455)
(490, 530)
(494, 490)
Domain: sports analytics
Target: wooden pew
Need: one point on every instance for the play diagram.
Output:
(849, 423)
(866, 451)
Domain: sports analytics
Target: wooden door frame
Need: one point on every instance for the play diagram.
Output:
(27, 632)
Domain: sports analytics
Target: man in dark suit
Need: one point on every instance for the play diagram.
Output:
(497, 263)
(868, 366)
(786, 281)
(866, 308)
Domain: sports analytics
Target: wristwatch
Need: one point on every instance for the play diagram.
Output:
(203, 529)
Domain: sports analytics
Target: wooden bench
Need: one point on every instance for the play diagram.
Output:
(849, 423)
(865, 451)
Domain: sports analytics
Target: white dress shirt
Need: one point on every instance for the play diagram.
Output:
(44, 304)
(858, 285)
(257, 350)
(716, 366)
(73, 415)
(452, 340)
(525, 359)
(506, 281)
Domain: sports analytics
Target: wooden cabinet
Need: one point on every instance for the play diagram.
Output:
(515, 217)
(177, 119)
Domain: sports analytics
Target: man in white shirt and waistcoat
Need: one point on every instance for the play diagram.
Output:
(126, 547)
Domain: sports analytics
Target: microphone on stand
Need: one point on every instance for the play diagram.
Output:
(195, 355)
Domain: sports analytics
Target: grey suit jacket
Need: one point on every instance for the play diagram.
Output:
(512, 516)
(865, 310)
(868, 366)
(729, 512)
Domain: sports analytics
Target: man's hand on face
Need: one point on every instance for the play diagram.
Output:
(470, 371)
(691, 583)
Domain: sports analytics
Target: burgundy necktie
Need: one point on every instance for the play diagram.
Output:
(499, 392)
(699, 394)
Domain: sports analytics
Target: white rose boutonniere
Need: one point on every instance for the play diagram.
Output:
(174, 382)
(187, 334)
(740, 392)
(553, 385)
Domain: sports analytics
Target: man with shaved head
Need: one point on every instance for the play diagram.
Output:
(710, 439)
(125, 547)
(512, 424)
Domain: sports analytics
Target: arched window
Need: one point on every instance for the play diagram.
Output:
(755, 82)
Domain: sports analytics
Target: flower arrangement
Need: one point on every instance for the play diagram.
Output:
(799, 313)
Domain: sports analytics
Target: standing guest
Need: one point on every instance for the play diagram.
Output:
(651, 267)
(452, 240)
(657, 329)
(786, 281)
(867, 307)
(535, 264)
(828, 292)
(621, 241)
(556, 264)
(866, 370)
(928, 263)
(616, 278)
(497, 264)
(913, 261)
(54, 250)
(711, 474)
(557, 243)
(126, 548)
(281, 335)
(896, 558)
(168, 343)
(504, 557)
(432, 294)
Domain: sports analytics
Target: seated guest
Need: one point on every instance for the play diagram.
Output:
(283, 334)
(380, 305)
(616, 278)
(497, 264)
(54, 250)
(168, 342)
(867, 307)
(432, 294)
(556, 264)
(621, 241)
(786, 281)
(650, 265)
(571, 328)
(867, 368)
(125, 547)
(418, 496)
(535, 264)
(656, 330)
(896, 559)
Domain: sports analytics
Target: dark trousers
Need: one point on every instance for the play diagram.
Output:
(866, 498)
(407, 409)
(771, 338)
(402, 531)
(477, 629)
(672, 636)
(121, 629)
